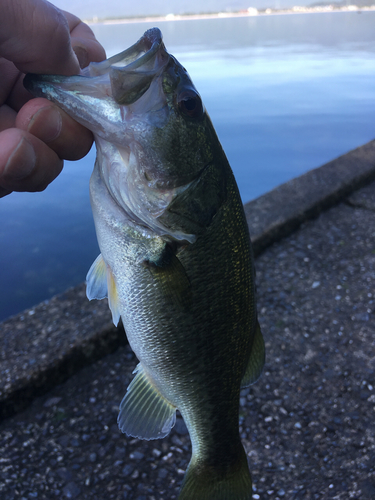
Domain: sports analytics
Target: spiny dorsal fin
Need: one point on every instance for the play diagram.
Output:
(144, 412)
(101, 284)
(256, 361)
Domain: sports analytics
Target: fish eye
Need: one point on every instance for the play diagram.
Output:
(190, 104)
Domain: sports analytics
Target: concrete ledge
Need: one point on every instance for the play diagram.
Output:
(281, 211)
(43, 346)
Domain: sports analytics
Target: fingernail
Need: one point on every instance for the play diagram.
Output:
(82, 56)
(21, 162)
(46, 124)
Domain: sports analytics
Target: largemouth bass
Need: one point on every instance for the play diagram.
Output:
(176, 260)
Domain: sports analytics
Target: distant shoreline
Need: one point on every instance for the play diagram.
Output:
(251, 12)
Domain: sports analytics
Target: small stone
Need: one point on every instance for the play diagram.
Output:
(71, 490)
(52, 402)
(64, 474)
(64, 441)
(127, 470)
(162, 474)
(135, 475)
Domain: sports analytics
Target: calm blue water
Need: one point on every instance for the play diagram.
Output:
(286, 93)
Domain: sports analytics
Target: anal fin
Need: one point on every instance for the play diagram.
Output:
(256, 361)
(144, 412)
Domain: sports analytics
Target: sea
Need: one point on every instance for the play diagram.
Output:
(286, 94)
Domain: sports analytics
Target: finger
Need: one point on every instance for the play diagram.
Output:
(26, 163)
(85, 45)
(35, 35)
(9, 74)
(18, 95)
(7, 117)
(45, 120)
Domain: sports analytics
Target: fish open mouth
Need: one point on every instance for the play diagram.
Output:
(135, 56)
(118, 81)
(132, 71)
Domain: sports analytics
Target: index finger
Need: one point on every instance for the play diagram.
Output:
(35, 36)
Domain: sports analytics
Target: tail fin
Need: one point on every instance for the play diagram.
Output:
(203, 482)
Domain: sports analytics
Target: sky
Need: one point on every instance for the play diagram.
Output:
(88, 9)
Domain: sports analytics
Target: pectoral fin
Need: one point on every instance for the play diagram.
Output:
(113, 300)
(101, 284)
(256, 360)
(144, 412)
(96, 280)
(171, 276)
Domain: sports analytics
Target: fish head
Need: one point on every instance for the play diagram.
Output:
(152, 131)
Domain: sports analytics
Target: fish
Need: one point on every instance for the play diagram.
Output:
(176, 260)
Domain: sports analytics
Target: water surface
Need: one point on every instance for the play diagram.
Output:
(286, 93)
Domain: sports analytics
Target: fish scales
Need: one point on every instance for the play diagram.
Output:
(176, 260)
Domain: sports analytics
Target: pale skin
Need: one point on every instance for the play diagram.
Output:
(35, 134)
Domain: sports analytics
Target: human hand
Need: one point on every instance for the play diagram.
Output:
(35, 134)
